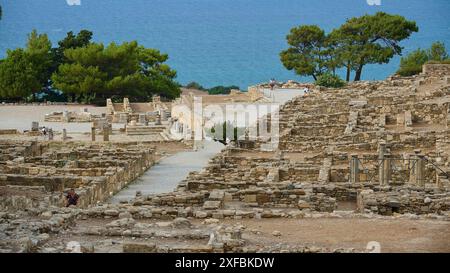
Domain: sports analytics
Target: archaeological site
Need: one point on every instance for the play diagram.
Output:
(360, 168)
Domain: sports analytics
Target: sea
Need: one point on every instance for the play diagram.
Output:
(216, 42)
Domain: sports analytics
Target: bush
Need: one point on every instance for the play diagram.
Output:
(194, 85)
(413, 62)
(330, 80)
(439, 62)
(222, 90)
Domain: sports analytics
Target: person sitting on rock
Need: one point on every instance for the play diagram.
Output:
(71, 198)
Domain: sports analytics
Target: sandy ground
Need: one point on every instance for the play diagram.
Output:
(21, 116)
(393, 235)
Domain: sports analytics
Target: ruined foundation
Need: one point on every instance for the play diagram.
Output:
(372, 151)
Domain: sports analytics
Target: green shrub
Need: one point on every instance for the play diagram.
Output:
(413, 62)
(439, 62)
(330, 80)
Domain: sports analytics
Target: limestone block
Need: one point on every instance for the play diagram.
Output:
(139, 248)
(216, 195)
(250, 198)
(210, 205)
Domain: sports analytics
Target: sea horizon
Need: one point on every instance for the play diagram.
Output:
(215, 42)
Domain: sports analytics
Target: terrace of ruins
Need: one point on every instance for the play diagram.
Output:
(372, 158)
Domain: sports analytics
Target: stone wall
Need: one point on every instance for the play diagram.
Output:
(436, 69)
(95, 171)
(415, 201)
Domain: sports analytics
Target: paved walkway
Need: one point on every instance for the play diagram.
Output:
(165, 176)
(282, 95)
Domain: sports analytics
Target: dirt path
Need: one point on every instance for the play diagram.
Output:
(394, 235)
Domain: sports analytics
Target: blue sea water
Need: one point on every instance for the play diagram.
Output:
(215, 42)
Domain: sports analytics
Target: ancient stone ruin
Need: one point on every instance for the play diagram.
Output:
(371, 150)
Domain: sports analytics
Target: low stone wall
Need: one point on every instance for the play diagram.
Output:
(95, 171)
(18, 198)
(8, 131)
(407, 201)
(436, 69)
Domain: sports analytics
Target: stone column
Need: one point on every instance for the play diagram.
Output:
(142, 119)
(106, 133)
(412, 170)
(387, 168)
(163, 115)
(158, 119)
(439, 183)
(35, 126)
(447, 115)
(93, 133)
(354, 169)
(381, 160)
(66, 117)
(419, 169)
(50, 134)
(123, 118)
(64, 135)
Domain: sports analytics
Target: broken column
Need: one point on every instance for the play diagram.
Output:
(381, 159)
(158, 119)
(354, 169)
(387, 168)
(419, 169)
(142, 119)
(106, 132)
(64, 135)
(447, 116)
(35, 126)
(123, 118)
(163, 114)
(93, 133)
(408, 120)
(65, 116)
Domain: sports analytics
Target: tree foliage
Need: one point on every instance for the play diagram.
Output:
(438, 52)
(195, 85)
(82, 39)
(26, 72)
(307, 52)
(413, 62)
(222, 90)
(18, 78)
(216, 90)
(85, 71)
(330, 80)
(126, 70)
(369, 39)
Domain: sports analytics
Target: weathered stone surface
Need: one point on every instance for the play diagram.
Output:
(139, 248)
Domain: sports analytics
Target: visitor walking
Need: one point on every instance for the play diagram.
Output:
(44, 132)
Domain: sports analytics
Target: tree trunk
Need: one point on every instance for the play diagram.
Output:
(358, 73)
(347, 77)
(315, 77)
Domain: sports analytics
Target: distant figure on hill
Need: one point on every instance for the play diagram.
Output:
(272, 83)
